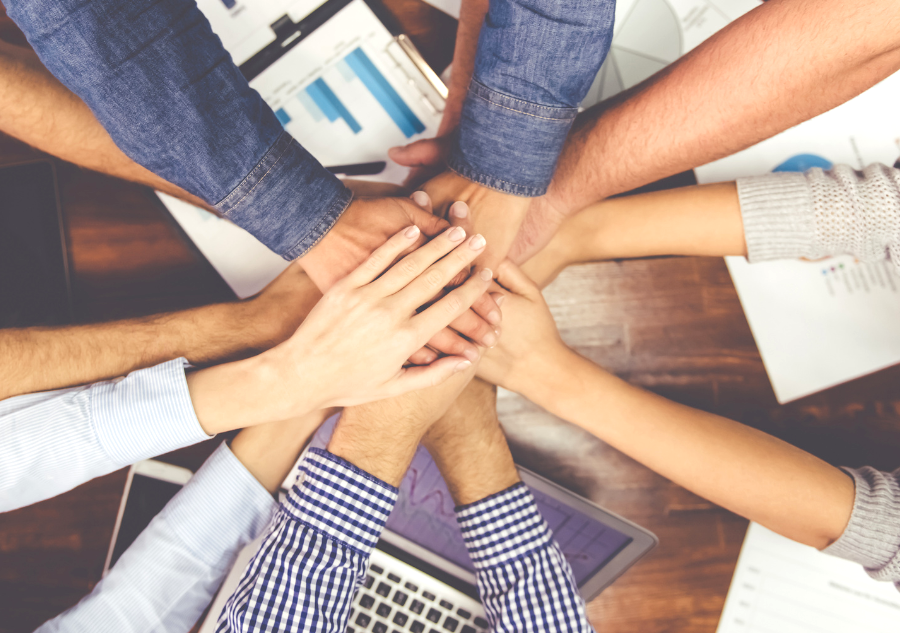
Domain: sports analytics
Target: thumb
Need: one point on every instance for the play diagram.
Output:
(513, 279)
(415, 378)
(429, 224)
(427, 152)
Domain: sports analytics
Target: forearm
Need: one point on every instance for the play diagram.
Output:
(800, 58)
(169, 575)
(57, 440)
(471, 17)
(42, 112)
(524, 580)
(740, 468)
(317, 539)
(40, 359)
(699, 220)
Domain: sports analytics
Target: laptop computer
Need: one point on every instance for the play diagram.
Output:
(420, 578)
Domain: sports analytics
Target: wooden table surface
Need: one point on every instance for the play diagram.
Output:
(673, 325)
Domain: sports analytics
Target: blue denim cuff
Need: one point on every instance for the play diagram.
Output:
(288, 201)
(509, 144)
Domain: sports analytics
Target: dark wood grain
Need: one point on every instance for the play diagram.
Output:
(673, 325)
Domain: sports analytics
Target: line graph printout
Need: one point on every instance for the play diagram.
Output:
(424, 515)
(780, 586)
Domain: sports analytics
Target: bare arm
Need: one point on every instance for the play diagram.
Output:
(740, 468)
(40, 111)
(773, 68)
(40, 359)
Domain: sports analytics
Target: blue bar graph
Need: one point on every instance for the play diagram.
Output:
(384, 93)
(332, 107)
(283, 117)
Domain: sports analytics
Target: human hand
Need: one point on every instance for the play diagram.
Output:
(353, 345)
(531, 343)
(544, 217)
(495, 215)
(469, 447)
(381, 437)
(364, 226)
(278, 309)
(426, 158)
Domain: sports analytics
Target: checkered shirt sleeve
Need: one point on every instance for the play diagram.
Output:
(524, 580)
(315, 553)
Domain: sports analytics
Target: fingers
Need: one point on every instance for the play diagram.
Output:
(423, 200)
(421, 262)
(452, 344)
(428, 284)
(415, 378)
(475, 328)
(423, 356)
(428, 151)
(453, 305)
(381, 258)
(430, 224)
(488, 309)
(513, 279)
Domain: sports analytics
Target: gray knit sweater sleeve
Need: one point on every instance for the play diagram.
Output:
(819, 213)
(872, 537)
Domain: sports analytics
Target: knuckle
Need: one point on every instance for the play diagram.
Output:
(433, 279)
(408, 267)
(452, 304)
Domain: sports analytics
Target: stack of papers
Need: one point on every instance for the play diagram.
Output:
(780, 586)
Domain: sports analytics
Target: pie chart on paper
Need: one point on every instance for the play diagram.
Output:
(651, 34)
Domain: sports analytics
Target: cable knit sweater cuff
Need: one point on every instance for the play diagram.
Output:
(872, 537)
(778, 217)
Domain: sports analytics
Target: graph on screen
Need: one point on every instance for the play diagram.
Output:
(424, 515)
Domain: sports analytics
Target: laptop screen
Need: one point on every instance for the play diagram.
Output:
(424, 515)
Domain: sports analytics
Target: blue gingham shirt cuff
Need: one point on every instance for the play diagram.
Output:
(503, 527)
(146, 413)
(222, 508)
(339, 500)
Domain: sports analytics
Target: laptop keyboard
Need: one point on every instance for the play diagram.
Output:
(398, 598)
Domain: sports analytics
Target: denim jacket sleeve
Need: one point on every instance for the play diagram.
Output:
(536, 60)
(159, 81)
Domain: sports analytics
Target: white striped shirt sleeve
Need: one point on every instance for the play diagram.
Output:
(315, 554)
(51, 442)
(524, 580)
(169, 575)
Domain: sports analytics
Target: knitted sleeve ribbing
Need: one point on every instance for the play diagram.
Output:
(819, 213)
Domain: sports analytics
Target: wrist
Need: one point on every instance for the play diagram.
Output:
(549, 376)
(384, 457)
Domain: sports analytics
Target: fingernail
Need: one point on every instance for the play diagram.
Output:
(463, 366)
(471, 354)
(477, 243)
(394, 150)
(499, 300)
(456, 234)
(412, 232)
(459, 210)
(493, 316)
(430, 358)
(421, 198)
(486, 274)
(490, 339)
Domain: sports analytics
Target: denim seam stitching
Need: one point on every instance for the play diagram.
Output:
(256, 184)
(534, 116)
(325, 232)
(511, 98)
(474, 171)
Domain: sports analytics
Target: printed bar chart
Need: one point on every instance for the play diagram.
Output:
(384, 93)
(329, 104)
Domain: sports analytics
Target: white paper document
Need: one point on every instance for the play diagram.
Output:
(651, 34)
(780, 586)
(819, 324)
(347, 92)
